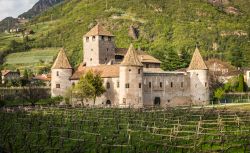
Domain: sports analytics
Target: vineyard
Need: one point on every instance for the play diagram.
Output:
(56, 130)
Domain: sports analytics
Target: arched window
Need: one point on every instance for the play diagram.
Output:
(93, 38)
(139, 85)
(108, 85)
(87, 39)
(57, 73)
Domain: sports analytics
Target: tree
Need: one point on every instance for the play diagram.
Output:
(84, 90)
(241, 85)
(219, 94)
(90, 86)
(97, 82)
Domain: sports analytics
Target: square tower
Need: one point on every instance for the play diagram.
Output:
(98, 45)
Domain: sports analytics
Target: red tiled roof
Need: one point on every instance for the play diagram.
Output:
(107, 71)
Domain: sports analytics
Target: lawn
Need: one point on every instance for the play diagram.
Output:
(34, 56)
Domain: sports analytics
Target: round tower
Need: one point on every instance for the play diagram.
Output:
(61, 72)
(199, 80)
(131, 77)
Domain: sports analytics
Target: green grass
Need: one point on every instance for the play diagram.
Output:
(46, 55)
(6, 38)
(35, 59)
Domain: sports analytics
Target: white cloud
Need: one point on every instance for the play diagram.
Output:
(14, 7)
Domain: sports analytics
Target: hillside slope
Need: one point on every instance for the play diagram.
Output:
(39, 7)
(165, 28)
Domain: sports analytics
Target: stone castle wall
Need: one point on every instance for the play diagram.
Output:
(60, 81)
(166, 89)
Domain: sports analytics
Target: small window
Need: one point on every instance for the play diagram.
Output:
(103, 37)
(182, 84)
(139, 85)
(58, 86)
(129, 70)
(149, 84)
(171, 84)
(92, 49)
(195, 85)
(109, 38)
(124, 100)
(90, 59)
(139, 71)
(93, 38)
(118, 84)
(160, 84)
(127, 85)
(57, 73)
(205, 84)
(106, 59)
(87, 39)
(147, 65)
(73, 84)
(107, 49)
(108, 85)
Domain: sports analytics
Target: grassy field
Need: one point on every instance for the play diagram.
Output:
(125, 130)
(33, 59)
(34, 56)
(5, 40)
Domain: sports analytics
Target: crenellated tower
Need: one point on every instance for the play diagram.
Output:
(199, 80)
(99, 47)
(61, 72)
(131, 80)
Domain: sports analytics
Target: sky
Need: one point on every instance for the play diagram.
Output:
(14, 7)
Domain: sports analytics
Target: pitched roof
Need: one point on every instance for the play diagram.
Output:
(197, 62)
(98, 30)
(61, 61)
(143, 56)
(131, 58)
(5, 72)
(107, 71)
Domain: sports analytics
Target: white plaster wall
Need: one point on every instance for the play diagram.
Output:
(132, 96)
(199, 87)
(62, 79)
(248, 78)
(169, 96)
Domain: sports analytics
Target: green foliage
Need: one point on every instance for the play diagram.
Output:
(170, 27)
(84, 89)
(89, 86)
(219, 93)
(241, 85)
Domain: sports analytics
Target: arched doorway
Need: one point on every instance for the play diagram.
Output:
(108, 103)
(157, 101)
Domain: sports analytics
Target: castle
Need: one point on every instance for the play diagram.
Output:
(132, 78)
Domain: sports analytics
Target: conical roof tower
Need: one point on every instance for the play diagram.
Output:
(197, 62)
(61, 61)
(131, 58)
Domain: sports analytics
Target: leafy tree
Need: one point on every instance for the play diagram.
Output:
(84, 90)
(219, 93)
(97, 82)
(241, 84)
(90, 86)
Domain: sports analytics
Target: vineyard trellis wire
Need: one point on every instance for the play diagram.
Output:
(124, 130)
